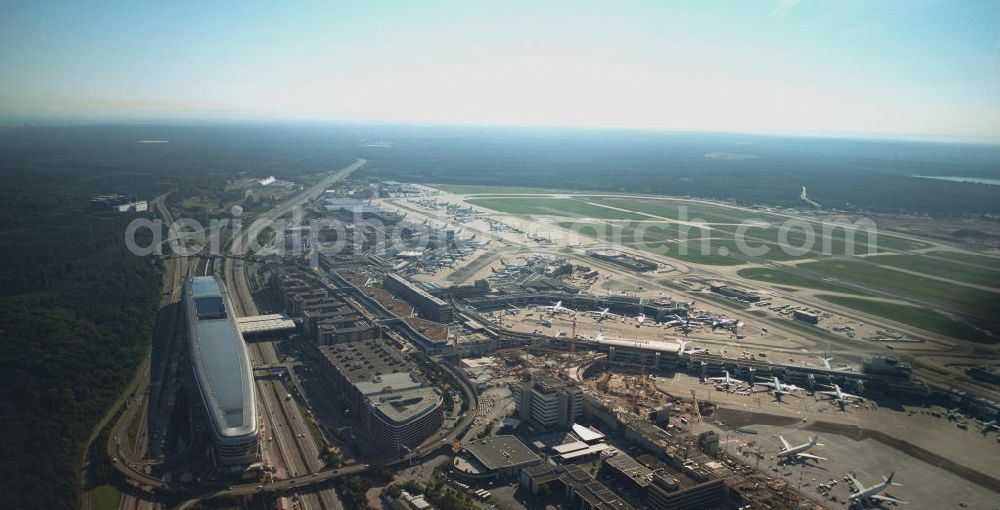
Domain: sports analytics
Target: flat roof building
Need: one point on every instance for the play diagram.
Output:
(430, 307)
(502, 455)
(397, 408)
(626, 468)
(574, 485)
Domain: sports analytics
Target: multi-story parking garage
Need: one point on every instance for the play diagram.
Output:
(222, 371)
(397, 408)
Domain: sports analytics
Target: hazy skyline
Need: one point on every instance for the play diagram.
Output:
(921, 68)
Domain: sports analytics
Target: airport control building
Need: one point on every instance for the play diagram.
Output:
(397, 408)
(222, 371)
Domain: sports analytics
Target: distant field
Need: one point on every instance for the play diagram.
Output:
(659, 239)
(672, 209)
(981, 260)
(554, 207)
(950, 270)
(919, 317)
(779, 277)
(462, 189)
(727, 219)
(963, 298)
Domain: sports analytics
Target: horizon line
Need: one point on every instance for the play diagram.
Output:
(79, 119)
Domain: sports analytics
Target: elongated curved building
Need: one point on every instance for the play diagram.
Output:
(222, 371)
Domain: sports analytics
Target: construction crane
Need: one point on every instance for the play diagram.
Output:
(694, 404)
(602, 384)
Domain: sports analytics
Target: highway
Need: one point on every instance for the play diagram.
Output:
(287, 443)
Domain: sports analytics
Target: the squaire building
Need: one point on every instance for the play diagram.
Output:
(222, 371)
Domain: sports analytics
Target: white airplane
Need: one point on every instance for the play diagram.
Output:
(730, 324)
(727, 381)
(513, 309)
(988, 426)
(790, 452)
(640, 319)
(872, 493)
(597, 338)
(601, 314)
(778, 388)
(556, 308)
(826, 363)
(839, 396)
(685, 350)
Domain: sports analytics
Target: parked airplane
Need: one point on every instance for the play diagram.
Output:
(988, 426)
(873, 492)
(640, 319)
(826, 364)
(839, 396)
(730, 324)
(685, 350)
(778, 388)
(600, 315)
(556, 308)
(789, 452)
(727, 381)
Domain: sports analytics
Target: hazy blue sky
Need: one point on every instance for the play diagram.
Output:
(868, 66)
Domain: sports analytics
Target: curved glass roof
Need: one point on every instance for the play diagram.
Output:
(220, 359)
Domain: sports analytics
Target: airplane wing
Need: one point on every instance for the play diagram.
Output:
(856, 483)
(784, 443)
(809, 456)
(883, 497)
(827, 393)
(848, 395)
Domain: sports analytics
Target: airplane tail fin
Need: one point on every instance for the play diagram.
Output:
(889, 479)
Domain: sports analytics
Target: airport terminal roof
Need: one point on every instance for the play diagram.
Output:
(649, 345)
(500, 452)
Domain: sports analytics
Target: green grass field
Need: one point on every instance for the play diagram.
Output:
(463, 189)
(553, 207)
(673, 209)
(981, 260)
(919, 317)
(105, 497)
(779, 277)
(950, 270)
(962, 298)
